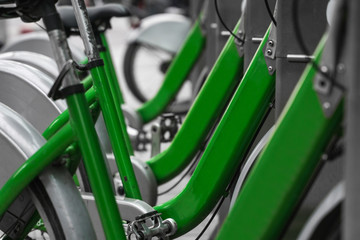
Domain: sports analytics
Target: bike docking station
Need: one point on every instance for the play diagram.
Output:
(265, 148)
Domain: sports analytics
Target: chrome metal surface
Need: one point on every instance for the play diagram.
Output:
(299, 58)
(256, 40)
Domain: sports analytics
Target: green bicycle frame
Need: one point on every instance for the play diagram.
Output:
(209, 104)
(226, 149)
(211, 177)
(207, 107)
(175, 75)
(285, 166)
(115, 131)
(114, 89)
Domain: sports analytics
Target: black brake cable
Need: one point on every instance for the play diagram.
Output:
(303, 47)
(224, 24)
(271, 15)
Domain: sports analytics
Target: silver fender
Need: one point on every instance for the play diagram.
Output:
(330, 202)
(18, 141)
(165, 31)
(39, 42)
(43, 63)
(24, 89)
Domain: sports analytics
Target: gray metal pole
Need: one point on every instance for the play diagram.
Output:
(256, 22)
(352, 168)
(312, 19)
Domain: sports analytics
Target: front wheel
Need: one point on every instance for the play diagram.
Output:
(144, 70)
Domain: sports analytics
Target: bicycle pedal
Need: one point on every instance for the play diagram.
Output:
(150, 225)
(169, 126)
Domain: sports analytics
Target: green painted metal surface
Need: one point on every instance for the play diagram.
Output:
(115, 91)
(115, 131)
(283, 170)
(175, 76)
(96, 170)
(207, 107)
(226, 148)
(110, 70)
(87, 82)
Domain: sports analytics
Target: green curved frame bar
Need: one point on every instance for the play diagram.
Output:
(176, 74)
(208, 106)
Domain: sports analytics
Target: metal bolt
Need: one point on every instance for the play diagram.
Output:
(269, 52)
(324, 157)
(326, 105)
(341, 68)
(213, 25)
(324, 69)
(270, 68)
(271, 43)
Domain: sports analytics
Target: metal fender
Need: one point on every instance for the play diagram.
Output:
(332, 201)
(43, 63)
(39, 42)
(166, 31)
(18, 141)
(24, 89)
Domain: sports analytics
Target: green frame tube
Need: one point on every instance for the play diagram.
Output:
(283, 170)
(114, 127)
(110, 69)
(208, 106)
(95, 165)
(226, 149)
(114, 89)
(176, 74)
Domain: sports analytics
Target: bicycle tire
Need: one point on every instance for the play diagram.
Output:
(129, 74)
(133, 85)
